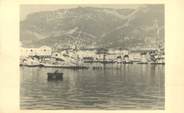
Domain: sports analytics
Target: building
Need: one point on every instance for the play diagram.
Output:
(42, 51)
(86, 53)
(135, 56)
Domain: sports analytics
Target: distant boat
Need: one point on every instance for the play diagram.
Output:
(159, 60)
(161, 63)
(64, 66)
(127, 62)
(107, 62)
(32, 65)
(142, 62)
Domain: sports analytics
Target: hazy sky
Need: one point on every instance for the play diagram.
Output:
(27, 9)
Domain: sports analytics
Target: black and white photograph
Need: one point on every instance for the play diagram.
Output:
(92, 56)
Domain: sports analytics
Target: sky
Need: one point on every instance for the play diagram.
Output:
(27, 9)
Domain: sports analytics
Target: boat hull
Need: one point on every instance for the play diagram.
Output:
(54, 76)
(158, 63)
(68, 67)
(37, 65)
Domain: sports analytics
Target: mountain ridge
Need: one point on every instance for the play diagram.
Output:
(94, 27)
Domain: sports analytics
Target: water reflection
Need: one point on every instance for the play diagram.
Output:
(115, 87)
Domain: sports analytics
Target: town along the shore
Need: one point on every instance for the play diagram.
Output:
(46, 56)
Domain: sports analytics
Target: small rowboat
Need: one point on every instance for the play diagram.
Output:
(55, 76)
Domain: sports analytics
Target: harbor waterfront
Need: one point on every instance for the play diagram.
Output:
(77, 57)
(125, 86)
(96, 78)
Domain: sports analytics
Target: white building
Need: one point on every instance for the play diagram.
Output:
(42, 51)
(118, 52)
(86, 53)
(135, 56)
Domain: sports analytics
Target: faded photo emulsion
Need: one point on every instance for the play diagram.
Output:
(85, 57)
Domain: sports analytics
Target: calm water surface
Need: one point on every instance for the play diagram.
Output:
(132, 86)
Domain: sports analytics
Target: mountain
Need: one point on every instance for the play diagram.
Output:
(95, 27)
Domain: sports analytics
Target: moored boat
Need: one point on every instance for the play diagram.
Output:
(32, 65)
(65, 66)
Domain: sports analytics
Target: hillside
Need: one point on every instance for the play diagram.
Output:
(95, 27)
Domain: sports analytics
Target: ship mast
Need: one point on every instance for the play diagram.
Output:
(157, 33)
